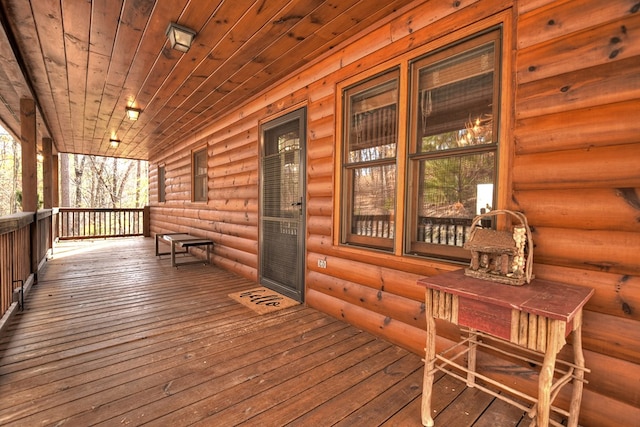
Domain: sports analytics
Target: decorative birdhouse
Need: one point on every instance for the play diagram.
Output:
(501, 256)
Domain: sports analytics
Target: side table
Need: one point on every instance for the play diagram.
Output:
(534, 318)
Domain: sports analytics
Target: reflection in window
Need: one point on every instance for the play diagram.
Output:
(369, 178)
(161, 184)
(280, 168)
(451, 191)
(453, 159)
(199, 163)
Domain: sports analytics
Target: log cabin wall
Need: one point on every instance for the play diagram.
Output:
(573, 169)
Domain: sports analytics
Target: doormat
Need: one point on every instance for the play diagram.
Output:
(263, 300)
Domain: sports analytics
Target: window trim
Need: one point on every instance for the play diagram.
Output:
(415, 156)
(503, 20)
(195, 152)
(348, 168)
(162, 183)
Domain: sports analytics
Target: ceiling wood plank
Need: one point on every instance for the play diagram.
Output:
(76, 46)
(12, 88)
(173, 67)
(105, 17)
(87, 60)
(21, 18)
(48, 20)
(242, 43)
(133, 21)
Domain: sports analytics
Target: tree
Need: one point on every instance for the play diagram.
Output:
(85, 181)
(10, 173)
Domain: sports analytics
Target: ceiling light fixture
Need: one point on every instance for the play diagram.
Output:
(180, 37)
(133, 113)
(114, 142)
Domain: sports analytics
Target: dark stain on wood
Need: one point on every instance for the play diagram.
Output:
(286, 19)
(630, 196)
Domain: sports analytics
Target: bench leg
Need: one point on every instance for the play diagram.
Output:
(173, 254)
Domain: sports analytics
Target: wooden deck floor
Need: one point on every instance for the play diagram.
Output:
(113, 336)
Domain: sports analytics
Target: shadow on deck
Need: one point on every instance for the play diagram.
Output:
(111, 335)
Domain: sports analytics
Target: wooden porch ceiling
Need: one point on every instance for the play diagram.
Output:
(111, 335)
(84, 61)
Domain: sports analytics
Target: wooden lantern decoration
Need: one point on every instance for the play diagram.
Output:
(501, 256)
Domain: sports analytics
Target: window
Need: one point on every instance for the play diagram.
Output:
(199, 172)
(447, 170)
(161, 184)
(369, 163)
(452, 157)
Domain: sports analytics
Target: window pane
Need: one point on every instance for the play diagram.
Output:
(200, 176)
(451, 191)
(161, 184)
(374, 190)
(373, 123)
(200, 163)
(371, 136)
(455, 101)
(200, 189)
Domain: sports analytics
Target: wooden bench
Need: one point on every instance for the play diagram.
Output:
(182, 241)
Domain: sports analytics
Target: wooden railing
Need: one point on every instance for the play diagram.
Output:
(25, 239)
(87, 223)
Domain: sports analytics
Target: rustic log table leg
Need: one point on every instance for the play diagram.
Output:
(578, 360)
(429, 362)
(556, 338)
(471, 361)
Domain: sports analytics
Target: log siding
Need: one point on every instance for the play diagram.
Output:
(572, 167)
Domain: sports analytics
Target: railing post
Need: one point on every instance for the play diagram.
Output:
(34, 239)
(146, 221)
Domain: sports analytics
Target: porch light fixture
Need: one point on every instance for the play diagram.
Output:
(180, 37)
(114, 142)
(133, 113)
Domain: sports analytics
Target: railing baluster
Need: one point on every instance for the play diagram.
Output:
(100, 222)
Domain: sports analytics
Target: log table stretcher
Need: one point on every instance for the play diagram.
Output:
(534, 319)
(183, 241)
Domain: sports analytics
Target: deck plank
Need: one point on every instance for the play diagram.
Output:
(113, 335)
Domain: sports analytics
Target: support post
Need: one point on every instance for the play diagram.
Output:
(30, 173)
(47, 173)
(29, 155)
(55, 190)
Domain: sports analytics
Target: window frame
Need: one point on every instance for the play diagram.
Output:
(195, 177)
(502, 22)
(449, 252)
(162, 183)
(348, 167)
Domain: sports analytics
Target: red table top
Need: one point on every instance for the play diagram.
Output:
(540, 297)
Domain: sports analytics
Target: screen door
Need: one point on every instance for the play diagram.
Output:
(282, 205)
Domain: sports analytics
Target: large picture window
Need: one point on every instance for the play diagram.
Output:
(452, 158)
(447, 135)
(369, 163)
(199, 172)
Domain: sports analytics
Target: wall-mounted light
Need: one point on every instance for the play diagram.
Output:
(180, 37)
(113, 142)
(133, 113)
